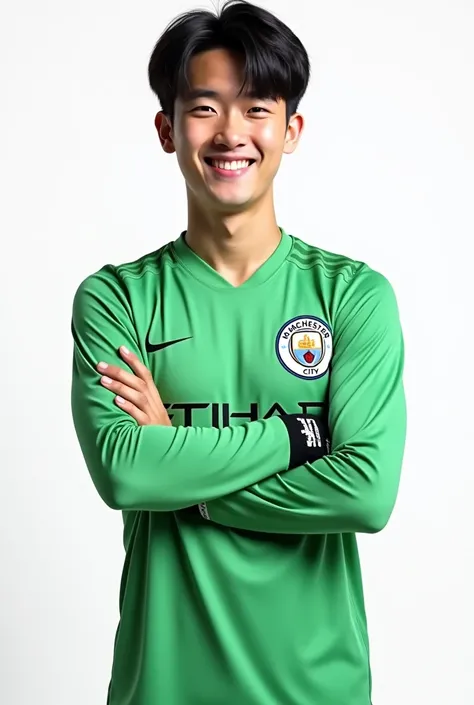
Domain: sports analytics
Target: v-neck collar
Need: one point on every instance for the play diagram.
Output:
(206, 274)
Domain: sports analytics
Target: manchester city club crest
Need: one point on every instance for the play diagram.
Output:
(304, 347)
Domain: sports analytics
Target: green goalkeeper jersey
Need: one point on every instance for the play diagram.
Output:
(241, 583)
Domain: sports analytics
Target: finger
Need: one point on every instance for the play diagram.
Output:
(142, 372)
(140, 417)
(118, 374)
(135, 363)
(134, 396)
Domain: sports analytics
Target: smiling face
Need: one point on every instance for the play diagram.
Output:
(229, 146)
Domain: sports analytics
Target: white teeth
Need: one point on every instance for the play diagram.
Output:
(231, 166)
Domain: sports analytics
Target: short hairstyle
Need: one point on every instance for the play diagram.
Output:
(276, 64)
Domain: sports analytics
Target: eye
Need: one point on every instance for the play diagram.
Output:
(258, 107)
(202, 108)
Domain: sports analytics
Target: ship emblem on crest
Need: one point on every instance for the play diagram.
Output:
(308, 351)
(304, 346)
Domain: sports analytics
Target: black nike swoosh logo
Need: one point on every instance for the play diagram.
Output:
(151, 347)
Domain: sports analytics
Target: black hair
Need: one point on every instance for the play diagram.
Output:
(276, 64)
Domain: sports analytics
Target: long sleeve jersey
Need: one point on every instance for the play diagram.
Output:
(241, 582)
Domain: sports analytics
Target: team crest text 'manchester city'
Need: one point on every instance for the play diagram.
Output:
(304, 347)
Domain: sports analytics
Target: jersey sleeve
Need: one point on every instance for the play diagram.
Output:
(155, 468)
(354, 487)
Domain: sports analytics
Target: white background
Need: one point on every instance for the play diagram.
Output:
(384, 174)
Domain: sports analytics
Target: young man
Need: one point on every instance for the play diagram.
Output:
(238, 395)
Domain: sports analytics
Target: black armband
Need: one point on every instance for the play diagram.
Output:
(309, 438)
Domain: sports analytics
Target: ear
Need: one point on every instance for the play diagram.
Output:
(165, 132)
(293, 133)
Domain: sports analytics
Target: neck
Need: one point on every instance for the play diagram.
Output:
(237, 244)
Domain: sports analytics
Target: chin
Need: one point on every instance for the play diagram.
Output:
(236, 201)
(232, 204)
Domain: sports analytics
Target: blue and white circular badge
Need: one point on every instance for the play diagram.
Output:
(304, 347)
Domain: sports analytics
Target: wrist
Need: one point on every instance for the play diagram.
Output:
(308, 436)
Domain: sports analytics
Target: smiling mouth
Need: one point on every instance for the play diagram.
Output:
(225, 167)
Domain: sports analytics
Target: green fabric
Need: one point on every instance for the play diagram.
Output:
(257, 598)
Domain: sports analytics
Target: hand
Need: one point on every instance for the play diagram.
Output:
(137, 393)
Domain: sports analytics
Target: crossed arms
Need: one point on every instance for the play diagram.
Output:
(240, 472)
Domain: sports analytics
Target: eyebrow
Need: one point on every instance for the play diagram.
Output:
(196, 93)
(201, 93)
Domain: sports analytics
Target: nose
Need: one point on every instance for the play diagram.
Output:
(230, 131)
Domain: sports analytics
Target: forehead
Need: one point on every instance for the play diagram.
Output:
(216, 69)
